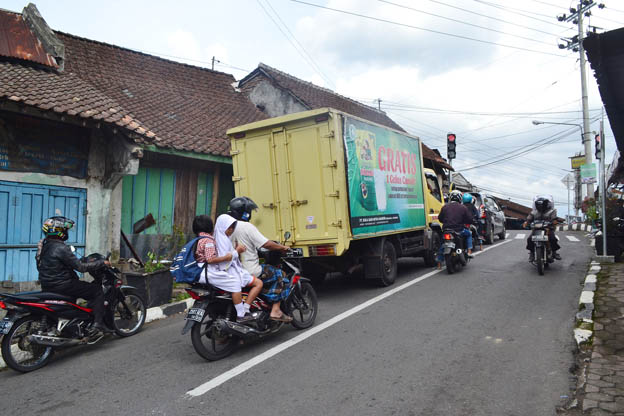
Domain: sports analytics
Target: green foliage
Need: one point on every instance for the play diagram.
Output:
(175, 241)
(153, 263)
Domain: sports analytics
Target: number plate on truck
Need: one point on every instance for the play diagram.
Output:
(195, 314)
(5, 326)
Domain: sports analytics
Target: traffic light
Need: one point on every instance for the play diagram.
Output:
(450, 146)
(598, 143)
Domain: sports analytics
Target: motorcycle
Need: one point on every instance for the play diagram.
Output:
(455, 254)
(37, 323)
(541, 247)
(215, 332)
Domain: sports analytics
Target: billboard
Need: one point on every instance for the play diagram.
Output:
(384, 179)
(588, 173)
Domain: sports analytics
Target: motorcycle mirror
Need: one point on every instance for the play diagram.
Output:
(287, 236)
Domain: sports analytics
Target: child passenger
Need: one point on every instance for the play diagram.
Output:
(224, 269)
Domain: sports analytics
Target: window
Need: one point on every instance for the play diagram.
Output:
(434, 187)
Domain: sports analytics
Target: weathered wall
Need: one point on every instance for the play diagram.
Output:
(274, 101)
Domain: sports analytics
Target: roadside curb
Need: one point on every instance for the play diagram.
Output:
(574, 227)
(163, 311)
(583, 330)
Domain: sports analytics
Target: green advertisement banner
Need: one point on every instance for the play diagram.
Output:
(384, 179)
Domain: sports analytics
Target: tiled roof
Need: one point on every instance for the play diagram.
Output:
(314, 97)
(166, 103)
(512, 209)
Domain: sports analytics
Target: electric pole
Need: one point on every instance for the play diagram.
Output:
(576, 44)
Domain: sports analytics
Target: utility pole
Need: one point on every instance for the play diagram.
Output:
(576, 44)
(378, 103)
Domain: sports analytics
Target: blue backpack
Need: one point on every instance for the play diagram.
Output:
(184, 267)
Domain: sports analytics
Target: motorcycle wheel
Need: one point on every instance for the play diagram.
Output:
(450, 263)
(539, 260)
(303, 306)
(208, 343)
(128, 321)
(19, 353)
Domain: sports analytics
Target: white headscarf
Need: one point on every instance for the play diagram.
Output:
(223, 242)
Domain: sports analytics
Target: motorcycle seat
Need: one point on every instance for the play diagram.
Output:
(41, 296)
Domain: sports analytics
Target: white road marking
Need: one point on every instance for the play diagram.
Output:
(507, 235)
(572, 238)
(520, 236)
(592, 243)
(241, 368)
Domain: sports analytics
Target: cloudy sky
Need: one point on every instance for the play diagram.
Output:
(483, 69)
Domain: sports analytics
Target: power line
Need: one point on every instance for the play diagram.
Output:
(463, 22)
(491, 17)
(301, 51)
(516, 11)
(424, 29)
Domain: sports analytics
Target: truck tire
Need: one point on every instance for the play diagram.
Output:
(388, 263)
(489, 237)
(431, 255)
(503, 234)
(315, 273)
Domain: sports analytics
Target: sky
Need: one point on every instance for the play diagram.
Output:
(482, 69)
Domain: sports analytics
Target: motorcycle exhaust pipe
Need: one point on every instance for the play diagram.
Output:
(50, 341)
(239, 330)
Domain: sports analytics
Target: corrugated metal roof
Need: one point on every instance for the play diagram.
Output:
(18, 41)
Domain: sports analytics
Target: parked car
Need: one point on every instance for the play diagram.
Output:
(491, 217)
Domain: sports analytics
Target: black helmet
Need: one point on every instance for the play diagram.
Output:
(241, 208)
(57, 227)
(542, 204)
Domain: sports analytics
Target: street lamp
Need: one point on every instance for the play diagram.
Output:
(538, 122)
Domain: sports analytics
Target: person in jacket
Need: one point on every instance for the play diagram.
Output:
(455, 216)
(275, 284)
(57, 266)
(544, 210)
(469, 202)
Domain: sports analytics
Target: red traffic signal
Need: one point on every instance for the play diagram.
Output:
(450, 137)
(450, 146)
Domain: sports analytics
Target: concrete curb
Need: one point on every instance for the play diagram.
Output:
(574, 227)
(585, 315)
(163, 311)
(153, 314)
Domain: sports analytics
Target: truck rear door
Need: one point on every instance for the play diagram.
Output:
(311, 162)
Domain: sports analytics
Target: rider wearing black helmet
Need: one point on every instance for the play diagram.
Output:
(543, 209)
(275, 285)
(57, 264)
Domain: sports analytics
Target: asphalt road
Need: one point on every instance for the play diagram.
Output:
(493, 339)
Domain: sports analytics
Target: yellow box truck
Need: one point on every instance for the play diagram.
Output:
(347, 191)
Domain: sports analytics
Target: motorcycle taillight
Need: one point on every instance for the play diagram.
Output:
(295, 279)
(448, 237)
(193, 294)
(2, 305)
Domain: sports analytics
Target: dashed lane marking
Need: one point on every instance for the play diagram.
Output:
(241, 368)
(520, 236)
(507, 235)
(572, 238)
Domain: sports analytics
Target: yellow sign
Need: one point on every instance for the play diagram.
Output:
(577, 161)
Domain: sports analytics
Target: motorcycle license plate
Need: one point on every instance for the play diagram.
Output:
(195, 314)
(5, 326)
(539, 238)
(450, 245)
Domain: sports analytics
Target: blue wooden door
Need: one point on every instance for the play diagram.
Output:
(23, 207)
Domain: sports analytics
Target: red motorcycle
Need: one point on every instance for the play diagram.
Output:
(39, 322)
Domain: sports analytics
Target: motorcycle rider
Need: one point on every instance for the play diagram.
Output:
(543, 209)
(275, 284)
(454, 216)
(57, 267)
(469, 202)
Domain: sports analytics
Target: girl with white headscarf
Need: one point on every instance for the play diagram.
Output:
(230, 275)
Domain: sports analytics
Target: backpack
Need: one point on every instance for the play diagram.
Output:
(184, 267)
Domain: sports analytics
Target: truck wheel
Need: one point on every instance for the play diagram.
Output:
(503, 234)
(431, 255)
(388, 264)
(315, 273)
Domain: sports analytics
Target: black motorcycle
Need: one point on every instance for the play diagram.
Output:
(455, 254)
(37, 323)
(215, 333)
(541, 247)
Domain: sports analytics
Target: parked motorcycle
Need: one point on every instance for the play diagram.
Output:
(455, 254)
(212, 319)
(541, 247)
(37, 323)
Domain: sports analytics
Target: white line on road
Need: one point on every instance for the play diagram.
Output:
(507, 235)
(241, 368)
(572, 238)
(520, 236)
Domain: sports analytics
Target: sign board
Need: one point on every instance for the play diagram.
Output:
(384, 177)
(33, 145)
(577, 161)
(568, 181)
(588, 173)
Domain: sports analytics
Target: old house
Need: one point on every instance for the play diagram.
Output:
(104, 135)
